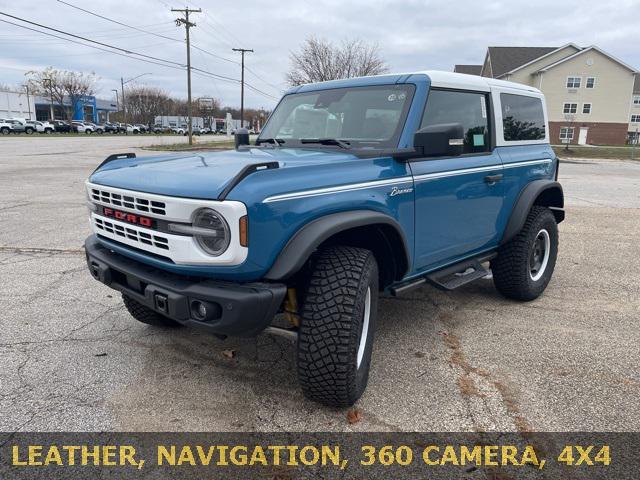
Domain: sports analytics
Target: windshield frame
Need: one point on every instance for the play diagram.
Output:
(408, 88)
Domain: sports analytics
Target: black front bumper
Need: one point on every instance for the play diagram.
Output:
(239, 309)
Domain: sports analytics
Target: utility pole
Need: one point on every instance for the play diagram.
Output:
(187, 25)
(124, 106)
(242, 51)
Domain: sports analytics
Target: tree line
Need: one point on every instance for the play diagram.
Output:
(317, 60)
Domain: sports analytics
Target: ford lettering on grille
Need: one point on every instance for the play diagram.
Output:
(128, 217)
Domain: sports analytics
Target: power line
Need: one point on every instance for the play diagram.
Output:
(171, 38)
(126, 53)
(90, 46)
(90, 40)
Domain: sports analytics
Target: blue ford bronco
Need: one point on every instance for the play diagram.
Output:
(353, 189)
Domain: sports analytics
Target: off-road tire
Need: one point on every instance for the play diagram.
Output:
(511, 268)
(332, 317)
(144, 314)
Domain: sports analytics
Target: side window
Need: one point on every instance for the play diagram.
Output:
(522, 117)
(466, 108)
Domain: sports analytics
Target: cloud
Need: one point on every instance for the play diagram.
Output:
(412, 35)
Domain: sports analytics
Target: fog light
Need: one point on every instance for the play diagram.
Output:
(198, 310)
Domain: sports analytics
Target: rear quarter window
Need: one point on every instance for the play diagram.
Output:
(522, 117)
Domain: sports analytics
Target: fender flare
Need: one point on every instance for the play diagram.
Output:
(308, 238)
(550, 194)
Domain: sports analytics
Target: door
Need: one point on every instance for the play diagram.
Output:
(582, 137)
(458, 199)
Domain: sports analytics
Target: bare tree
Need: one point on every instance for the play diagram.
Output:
(320, 60)
(145, 103)
(61, 84)
(77, 85)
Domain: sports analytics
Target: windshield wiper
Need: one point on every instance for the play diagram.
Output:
(327, 141)
(275, 141)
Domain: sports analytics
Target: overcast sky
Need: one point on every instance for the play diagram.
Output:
(412, 35)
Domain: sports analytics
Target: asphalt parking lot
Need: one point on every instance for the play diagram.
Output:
(71, 358)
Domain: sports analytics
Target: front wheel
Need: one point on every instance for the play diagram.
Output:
(524, 265)
(336, 332)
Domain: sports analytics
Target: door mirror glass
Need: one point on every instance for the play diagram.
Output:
(442, 140)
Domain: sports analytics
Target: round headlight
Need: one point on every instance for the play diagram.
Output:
(214, 235)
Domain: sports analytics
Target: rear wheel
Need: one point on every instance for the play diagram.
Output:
(5, 131)
(524, 265)
(144, 314)
(28, 131)
(336, 332)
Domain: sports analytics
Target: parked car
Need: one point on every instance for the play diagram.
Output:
(194, 131)
(397, 181)
(20, 126)
(142, 127)
(44, 127)
(6, 127)
(96, 128)
(83, 127)
(179, 130)
(61, 126)
(157, 128)
(134, 129)
(110, 127)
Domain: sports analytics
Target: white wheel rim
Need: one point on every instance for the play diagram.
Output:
(365, 327)
(537, 268)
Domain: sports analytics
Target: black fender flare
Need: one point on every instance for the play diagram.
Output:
(547, 193)
(308, 238)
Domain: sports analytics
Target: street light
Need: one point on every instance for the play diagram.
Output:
(122, 84)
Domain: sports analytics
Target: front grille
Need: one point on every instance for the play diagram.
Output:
(132, 233)
(137, 203)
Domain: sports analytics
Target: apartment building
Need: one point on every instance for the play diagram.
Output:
(591, 95)
(634, 115)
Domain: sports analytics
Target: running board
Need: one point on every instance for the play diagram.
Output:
(460, 274)
(451, 277)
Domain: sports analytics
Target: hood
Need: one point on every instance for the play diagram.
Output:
(204, 174)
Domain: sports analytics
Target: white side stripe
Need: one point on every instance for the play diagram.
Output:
(382, 183)
(465, 171)
(338, 189)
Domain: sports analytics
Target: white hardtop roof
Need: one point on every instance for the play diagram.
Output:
(471, 82)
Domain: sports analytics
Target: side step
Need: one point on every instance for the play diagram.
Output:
(460, 274)
(448, 280)
(451, 277)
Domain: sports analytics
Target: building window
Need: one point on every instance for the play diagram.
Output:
(573, 82)
(636, 99)
(570, 108)
(586, 108)
(566, 133)
(522, 117)
(635, 118)
(590, 83)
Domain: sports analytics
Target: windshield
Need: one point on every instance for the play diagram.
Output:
(362, 116)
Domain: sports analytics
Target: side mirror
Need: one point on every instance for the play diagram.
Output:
(441, 140)
(241, 137)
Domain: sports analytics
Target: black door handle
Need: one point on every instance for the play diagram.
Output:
(491, 179)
